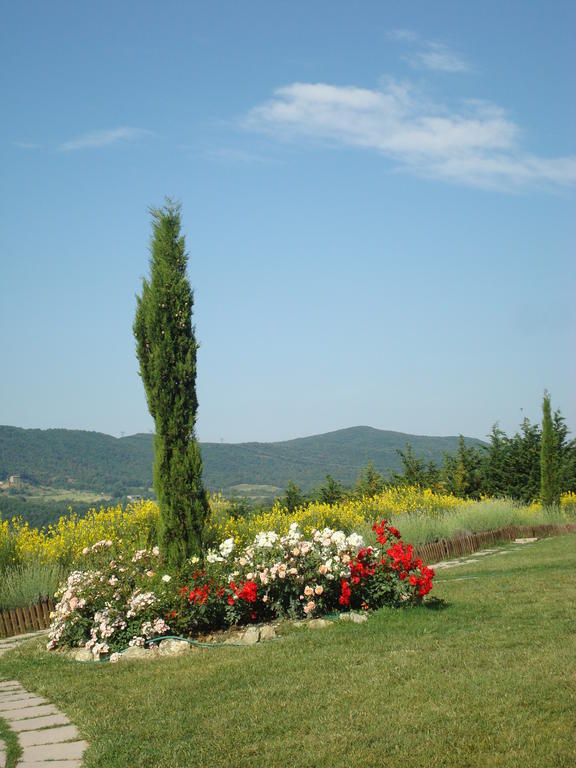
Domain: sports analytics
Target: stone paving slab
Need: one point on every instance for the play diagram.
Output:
(70, 750)
(33, 701)
(16, 695)
(25, 636)
(35, 723)
(48, 736)
(29, 712)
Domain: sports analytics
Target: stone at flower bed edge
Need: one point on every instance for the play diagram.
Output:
(354, 617)
(235, 636)
(175, 647)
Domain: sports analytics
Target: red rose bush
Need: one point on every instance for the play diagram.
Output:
(117, 600)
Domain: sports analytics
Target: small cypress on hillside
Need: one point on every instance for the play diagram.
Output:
(166, 348)
(549, 469)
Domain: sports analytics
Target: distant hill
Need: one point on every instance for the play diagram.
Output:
(73, 459)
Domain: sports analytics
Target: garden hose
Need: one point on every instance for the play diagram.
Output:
(175, 637)
(194, 642)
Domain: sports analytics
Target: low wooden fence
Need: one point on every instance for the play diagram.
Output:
(21, 620)
(469, 543)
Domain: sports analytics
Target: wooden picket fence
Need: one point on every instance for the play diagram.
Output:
(21, 620)
(469, 543)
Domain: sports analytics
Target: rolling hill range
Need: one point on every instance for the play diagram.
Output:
(78, 460)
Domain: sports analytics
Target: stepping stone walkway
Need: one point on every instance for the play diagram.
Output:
(8, 643)
(473, 557)
(48, 739)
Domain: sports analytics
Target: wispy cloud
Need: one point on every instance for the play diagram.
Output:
(403, 35)
(25, 145)
(476, 143)
(439, 57)
(239, 156)
(430, 54)
(105, 138)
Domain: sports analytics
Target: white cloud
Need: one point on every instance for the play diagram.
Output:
(432, 55)
(439, 57)
(476, 144)
(96, 139)
(403, 35)
(238, 156)
(26, 145)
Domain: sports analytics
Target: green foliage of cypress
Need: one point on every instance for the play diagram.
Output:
(370, 481)
(293, 497)
(495, 473)
(166, 348)
(332, 492)
(461, 474)
(415, 470)
(549, 458)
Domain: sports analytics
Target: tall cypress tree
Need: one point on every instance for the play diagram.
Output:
(549, 469)
(166, 349)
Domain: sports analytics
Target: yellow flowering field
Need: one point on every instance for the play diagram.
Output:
(347, 515)
(135, 525)
(63, 541)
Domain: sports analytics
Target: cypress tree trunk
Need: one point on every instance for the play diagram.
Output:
(549, 476)
(166, 349)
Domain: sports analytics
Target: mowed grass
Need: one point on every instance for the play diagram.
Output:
(487, 678)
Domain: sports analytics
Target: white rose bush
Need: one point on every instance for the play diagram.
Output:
(116, 600)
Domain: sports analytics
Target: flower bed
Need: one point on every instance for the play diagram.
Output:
(118, 601)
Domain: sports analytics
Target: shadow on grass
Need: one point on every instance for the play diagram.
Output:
(436, 604)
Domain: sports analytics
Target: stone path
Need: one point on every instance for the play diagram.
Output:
(48, 739)
(7, 643)
(473, 558)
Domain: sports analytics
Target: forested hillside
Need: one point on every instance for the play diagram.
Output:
(74, 459)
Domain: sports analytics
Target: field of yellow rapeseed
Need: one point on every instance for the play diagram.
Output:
(135, 526)
(346, 515)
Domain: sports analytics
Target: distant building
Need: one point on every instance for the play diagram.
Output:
(14, 480)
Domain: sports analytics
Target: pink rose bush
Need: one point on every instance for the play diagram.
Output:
(118, 600)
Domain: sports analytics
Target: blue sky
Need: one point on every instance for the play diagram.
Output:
(377, 197)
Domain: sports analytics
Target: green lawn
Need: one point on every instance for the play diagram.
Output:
(489, 679)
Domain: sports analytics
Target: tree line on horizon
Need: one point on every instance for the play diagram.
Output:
(537, 463)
